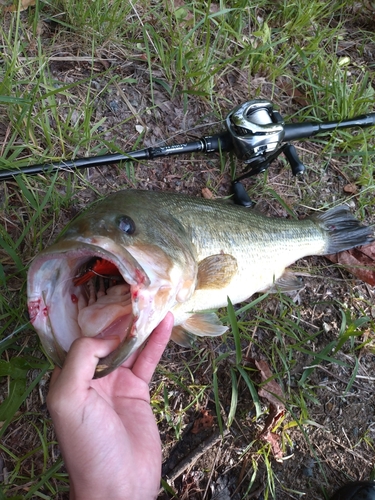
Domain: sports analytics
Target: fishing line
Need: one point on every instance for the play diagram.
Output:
(18, 330)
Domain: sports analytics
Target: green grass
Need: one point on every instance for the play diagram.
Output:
(77, 78)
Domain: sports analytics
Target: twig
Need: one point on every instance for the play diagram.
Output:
(211, 474)
(190, 460)
(365, 377)
(129, 105)
(256, 493)
(336, 376)
(69, 59)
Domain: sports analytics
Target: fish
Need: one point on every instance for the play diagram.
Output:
(122, 264)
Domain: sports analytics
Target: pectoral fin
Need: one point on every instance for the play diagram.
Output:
(216, 271)
(287, 282)
(200, 324)
(182, 337)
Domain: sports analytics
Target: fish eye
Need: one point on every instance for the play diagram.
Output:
(126, 224)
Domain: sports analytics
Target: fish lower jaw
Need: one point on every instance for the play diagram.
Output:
(120, 327)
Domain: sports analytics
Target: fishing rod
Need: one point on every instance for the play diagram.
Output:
(255, 132)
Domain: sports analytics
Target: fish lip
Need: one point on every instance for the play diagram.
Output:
(60, 257)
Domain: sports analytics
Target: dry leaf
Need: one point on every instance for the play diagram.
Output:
(24, 4)
(271, 389)
(274, 394)
(351, 189)
(294, 93)
(274, 440)
(359, 261)
(206, 193)
(204, 422)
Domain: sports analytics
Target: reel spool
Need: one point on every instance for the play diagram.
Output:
(256, 130)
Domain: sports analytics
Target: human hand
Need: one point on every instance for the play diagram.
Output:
(105, 427)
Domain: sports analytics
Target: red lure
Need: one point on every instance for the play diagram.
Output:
(101, 267)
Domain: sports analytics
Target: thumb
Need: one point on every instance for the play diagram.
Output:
(80, 363)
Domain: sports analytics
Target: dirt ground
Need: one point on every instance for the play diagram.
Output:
(335, 443)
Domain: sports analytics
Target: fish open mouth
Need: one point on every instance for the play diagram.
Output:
(104, 300)
(86, 292)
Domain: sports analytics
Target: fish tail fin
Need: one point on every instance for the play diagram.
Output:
(343, 230)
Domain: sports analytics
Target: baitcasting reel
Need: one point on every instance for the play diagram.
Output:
(257, 133)
(255, 130)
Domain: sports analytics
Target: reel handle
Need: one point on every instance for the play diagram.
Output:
(290, 152)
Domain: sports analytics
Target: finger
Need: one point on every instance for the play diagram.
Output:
(146, 362)
(83, 356)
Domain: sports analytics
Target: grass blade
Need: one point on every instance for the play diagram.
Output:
(253, 391)
(234, 399)
(235, 331)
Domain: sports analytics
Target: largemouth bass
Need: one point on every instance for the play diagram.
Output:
(130, 258)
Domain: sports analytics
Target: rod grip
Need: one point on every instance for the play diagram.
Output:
(295, 131)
